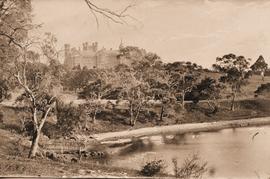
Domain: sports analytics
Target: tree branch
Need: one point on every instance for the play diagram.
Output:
(11, 40)
(115, 17)
(45, 117)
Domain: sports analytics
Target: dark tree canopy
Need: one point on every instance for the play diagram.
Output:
(260, 65)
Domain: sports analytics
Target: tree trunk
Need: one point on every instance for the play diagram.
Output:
(131, 113)
(183, 100)
(233, 102)
(210, 105)
(262, 74)
(137, 115)
(99, 97)
(37, 132)
(34, 145)
(161, 113)
(94, 116)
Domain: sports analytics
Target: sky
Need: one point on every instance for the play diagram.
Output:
(177, 30)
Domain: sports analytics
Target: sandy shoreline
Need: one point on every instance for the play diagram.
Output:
(181, 129)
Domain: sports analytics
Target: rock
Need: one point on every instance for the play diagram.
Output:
(51, 155)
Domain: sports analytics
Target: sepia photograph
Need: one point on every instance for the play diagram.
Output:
(135, 89)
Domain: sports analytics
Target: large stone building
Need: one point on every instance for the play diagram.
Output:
(91, 57)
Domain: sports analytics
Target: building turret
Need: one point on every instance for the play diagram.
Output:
(67, 49)
(95, 46)
(85, 46)
(67, 61)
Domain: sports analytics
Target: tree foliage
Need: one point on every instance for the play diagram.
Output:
(183, 77)
(260, 65)
(235, 70)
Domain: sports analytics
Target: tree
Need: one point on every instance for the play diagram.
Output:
(133, 90)
(38, 84)
(15, 20)
(235, 73)
(157, 79)
(183, 77)
(93, 93)
(208, 89)
(51, 53)
(38, 95)
(260, 66)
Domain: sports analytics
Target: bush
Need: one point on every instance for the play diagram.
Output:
(192, 168)
(263, 89)
(152, 168)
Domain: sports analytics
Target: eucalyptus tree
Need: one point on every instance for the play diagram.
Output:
(183, 77)
(235, 73)
(136, 92)
(260, 66)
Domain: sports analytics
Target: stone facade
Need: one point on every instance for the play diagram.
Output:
(91, 57)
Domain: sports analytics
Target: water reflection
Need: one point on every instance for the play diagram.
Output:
(137, 145)
(232, 153)
(176, 139)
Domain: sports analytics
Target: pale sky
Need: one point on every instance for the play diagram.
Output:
(184, 30)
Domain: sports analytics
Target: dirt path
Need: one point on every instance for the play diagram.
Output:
(181, 129)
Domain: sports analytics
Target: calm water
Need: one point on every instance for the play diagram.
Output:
(232, 153)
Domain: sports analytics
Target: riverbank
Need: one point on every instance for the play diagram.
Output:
(181, 129)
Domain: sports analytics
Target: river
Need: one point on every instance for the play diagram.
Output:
(230, 153)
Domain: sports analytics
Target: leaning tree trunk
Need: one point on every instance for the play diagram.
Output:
(34, 145)
(37, 132)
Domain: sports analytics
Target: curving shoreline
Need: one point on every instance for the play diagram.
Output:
(181, 129)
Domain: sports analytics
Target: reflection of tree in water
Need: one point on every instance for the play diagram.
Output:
(137, 145)
(177, 139)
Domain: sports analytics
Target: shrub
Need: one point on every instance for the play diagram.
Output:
(263, 89)
(191, 168)
(152, 168)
